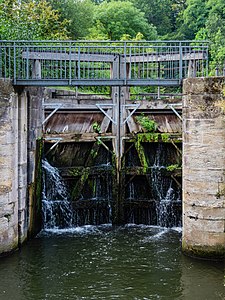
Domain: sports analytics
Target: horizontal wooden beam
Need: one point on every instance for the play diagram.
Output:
(151, 57)
(78, 171)
(94, 57)
(69, 56)
(92, 137)
(76, 137)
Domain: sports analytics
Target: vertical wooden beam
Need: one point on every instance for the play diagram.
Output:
(36, 70)
(77, 190)
(191, 69)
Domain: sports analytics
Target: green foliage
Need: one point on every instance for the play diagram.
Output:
(193, 18)
(147, 124)
(96, 127)
(165, 137)
(171, 168)
(205, 19)
(80, 14)
(148, 137)
(215, 30)
(159, 13)
(117, 19)
(30, 20)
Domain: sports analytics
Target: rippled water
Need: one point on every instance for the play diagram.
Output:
(101, 262)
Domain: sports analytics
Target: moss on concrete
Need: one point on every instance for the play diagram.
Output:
(35, 193)
(204, 251)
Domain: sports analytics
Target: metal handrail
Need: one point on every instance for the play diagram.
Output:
(110, 63)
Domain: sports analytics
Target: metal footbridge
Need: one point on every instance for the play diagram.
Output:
(102, 63)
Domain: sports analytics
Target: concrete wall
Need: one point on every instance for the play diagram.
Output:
(20, 109)
(204, 167)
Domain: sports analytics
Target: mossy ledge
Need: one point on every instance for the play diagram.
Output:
(156, 137)
(216, 252)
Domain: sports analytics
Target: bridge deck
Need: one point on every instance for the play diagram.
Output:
(102, 63)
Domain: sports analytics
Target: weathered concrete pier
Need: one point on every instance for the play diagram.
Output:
(74, 129)
(204, 167)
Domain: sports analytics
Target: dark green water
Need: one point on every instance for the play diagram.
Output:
(133, 262)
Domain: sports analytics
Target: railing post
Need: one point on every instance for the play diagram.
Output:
(78, 64)
(216, 71)
(27, 66)
(125, 63)
(14, 63)
(70, 67)
(180, 62)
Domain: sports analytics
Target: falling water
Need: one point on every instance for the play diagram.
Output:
(164, 194)
(56, 208)
(152, 200)
(94, 205)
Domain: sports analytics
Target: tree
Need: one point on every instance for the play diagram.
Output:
(80, 13)
(214, 30)
(118, 18)
(192, 18)
(160, 13)
(205, 20)
(30, 20)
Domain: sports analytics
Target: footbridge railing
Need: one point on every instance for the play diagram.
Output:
(91, 63)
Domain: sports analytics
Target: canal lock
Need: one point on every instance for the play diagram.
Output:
(82, 182)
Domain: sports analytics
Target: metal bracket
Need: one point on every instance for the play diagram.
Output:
(136, 106)
(179, 151)
(99, 139)
(51, 114)
(174, 110)
(100, 105)
(54, 145)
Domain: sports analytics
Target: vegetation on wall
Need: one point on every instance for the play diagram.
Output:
(147, 124)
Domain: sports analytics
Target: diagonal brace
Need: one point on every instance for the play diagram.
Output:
(175, 111)
(136, 106)
(57, 140)
(100, 106)
(51, 114)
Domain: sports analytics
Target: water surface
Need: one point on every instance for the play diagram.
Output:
(102, 262)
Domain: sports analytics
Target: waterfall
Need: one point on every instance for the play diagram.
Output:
(56, 208)
(151, 199)
(164, 194)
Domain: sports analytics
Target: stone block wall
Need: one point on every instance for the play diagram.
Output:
(204, 167)
(8, 167)
(20, 126)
